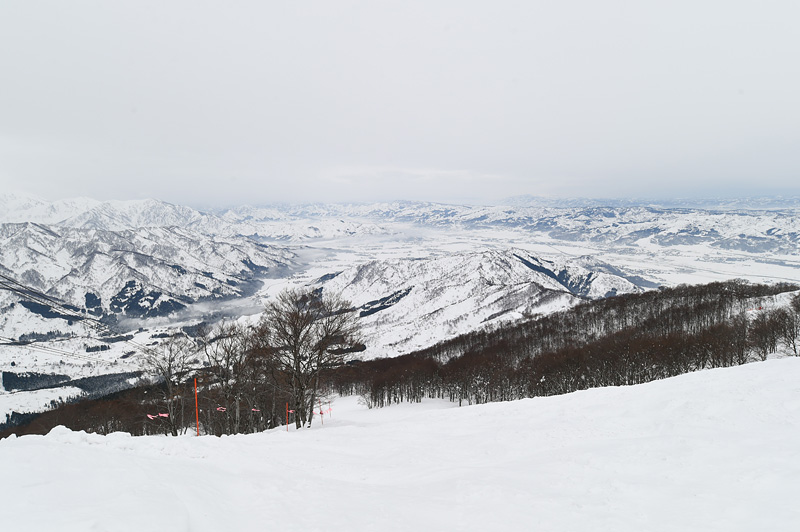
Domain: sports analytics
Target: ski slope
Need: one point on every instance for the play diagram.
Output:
(713, 450)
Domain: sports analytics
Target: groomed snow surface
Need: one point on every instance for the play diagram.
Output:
(713, 450)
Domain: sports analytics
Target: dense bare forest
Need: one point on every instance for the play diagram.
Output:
(621, 340)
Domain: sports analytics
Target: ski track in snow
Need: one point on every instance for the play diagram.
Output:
(714, 450)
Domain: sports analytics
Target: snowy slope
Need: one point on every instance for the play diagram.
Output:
(712, 451)
(411, 303)
(103, 270)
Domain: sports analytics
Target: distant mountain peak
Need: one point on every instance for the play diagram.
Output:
(719, 203)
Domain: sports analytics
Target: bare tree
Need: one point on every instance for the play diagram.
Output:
(304, 334)
(790, 331)
(169, 363)
(226, 346)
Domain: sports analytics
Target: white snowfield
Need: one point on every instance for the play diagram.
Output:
(713, 450)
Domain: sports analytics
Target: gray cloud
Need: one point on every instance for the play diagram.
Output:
(265, 101)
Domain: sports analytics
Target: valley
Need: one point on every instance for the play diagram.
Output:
(417, 273)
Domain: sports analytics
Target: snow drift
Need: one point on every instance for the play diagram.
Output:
(712, 450)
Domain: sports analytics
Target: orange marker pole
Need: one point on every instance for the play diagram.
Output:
(196, 411)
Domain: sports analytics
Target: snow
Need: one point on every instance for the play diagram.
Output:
(35, 400)
(712, 450)
(458, 262)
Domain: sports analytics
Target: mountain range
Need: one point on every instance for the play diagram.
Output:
(757, 230)
(416, 273)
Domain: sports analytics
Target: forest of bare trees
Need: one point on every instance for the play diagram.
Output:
(302, 350)
(623, 340)
(247, 376)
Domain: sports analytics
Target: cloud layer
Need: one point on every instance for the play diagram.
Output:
(213, 102)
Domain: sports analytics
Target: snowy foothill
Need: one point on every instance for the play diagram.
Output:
(36, 400)
(711, 450)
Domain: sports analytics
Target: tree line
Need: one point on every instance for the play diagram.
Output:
(302, 350)
(247, 376)
(628, 339)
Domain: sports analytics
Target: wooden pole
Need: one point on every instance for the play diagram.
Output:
(287, 417)
(196, 410)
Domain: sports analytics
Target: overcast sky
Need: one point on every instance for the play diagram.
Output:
(216, 103)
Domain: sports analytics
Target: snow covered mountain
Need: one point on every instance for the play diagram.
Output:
(143, 272)
(417, 273)
(720, 203)
(122, 215)
(623, 225)
(407, 304)
(751, 231)
(148, 257)
(280, 223)
(23, 208)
